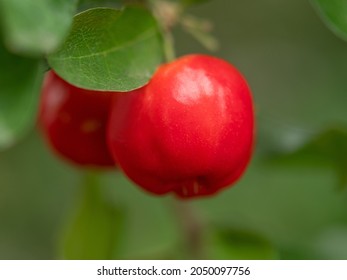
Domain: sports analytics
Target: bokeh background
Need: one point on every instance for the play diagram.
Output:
(290, 204)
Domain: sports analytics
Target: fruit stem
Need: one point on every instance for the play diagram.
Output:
(192, 227)
(168, 46)
(167, 14)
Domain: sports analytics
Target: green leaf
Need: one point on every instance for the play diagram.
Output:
(20, 80)
(108, 49)
(95, 232)
(37, 26)
(241, 244)
(334, 14)
(329, 146)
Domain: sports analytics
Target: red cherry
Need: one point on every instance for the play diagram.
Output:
(73, 121)
(189, 131)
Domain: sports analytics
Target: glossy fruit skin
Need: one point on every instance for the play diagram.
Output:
(189, 131)
(73, 121)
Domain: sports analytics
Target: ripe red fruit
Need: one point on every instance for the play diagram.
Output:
(73, 121)
(190, 130)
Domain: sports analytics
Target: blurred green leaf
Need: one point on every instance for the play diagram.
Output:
(328, 146)
(20, 80)
(109, 49)
(241, 244)
(96, 231)
(333, 12)
(146, 214)
(37, 26)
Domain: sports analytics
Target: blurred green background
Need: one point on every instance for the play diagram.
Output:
(288, 205)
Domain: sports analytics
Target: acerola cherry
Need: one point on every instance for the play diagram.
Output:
(73, 120)
(190, 130)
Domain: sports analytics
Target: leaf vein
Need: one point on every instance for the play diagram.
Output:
(149, 33)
